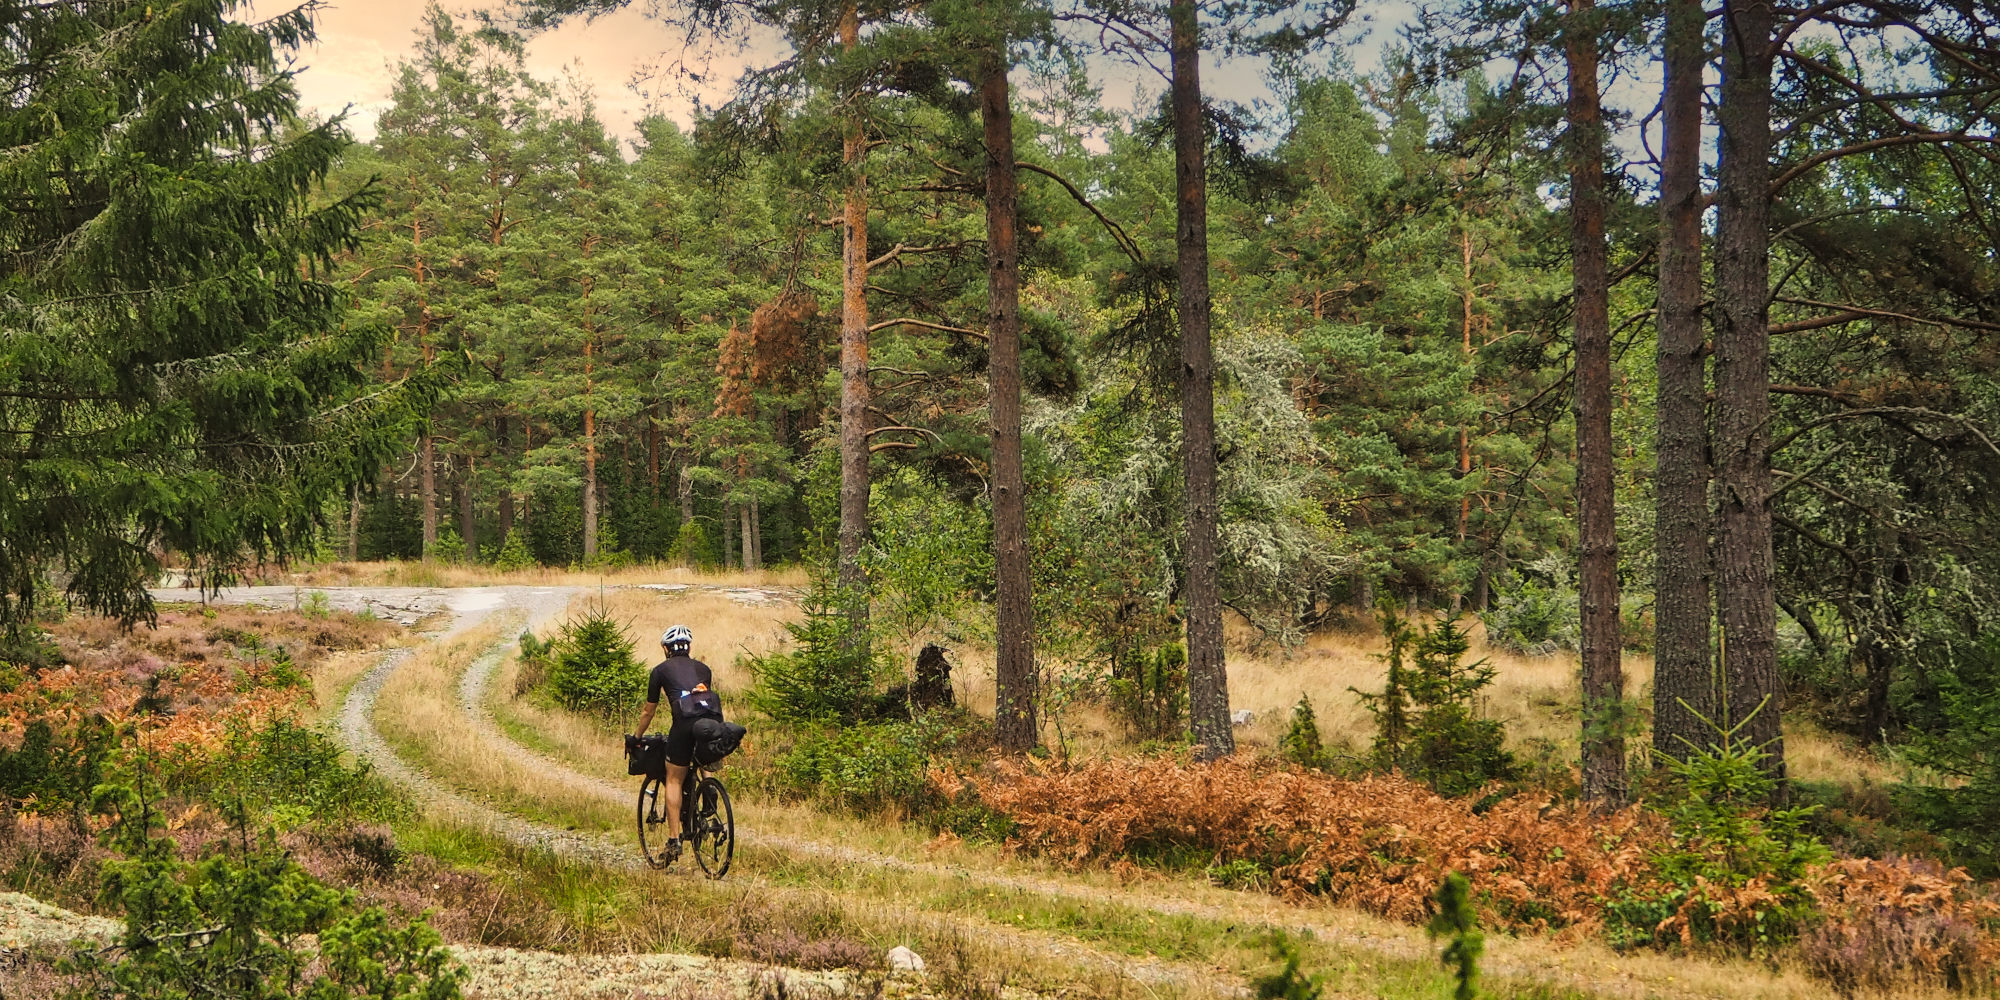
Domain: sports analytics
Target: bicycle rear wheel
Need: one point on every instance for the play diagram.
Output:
(714, 828)
(656, 832)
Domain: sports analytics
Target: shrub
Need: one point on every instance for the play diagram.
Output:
(1964, 744)
(230, 928)
(1886, 947)
(594, 668)
(534, 672)
(1427, 717)
(1149, 691)
(691, 546)
(293, 774)
(868, 767)
(52, 770)
(1536, 619)
(1301, 743)
(1455, 919)
(1735, 870)
(513, 553)
(828, 676)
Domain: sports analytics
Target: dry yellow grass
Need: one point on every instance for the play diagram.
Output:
(332, 677)
(395, 573)
(419, 715)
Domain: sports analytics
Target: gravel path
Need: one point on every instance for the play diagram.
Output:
(537, 606)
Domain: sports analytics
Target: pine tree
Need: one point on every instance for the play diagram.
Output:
(176, 375)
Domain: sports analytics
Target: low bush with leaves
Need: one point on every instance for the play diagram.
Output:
(867, 767)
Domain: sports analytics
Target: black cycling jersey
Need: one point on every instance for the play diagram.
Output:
(675, 676)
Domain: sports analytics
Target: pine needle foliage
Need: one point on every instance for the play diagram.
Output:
(594, 667)
(1288, 982)
(829, 674)
(1301, 742)
(1427, 714)
(1457, 921)
(175, 373)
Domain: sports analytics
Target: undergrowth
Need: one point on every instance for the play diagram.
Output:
(1385, 844)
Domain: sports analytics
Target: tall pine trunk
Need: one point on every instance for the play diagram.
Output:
(756, 534)
(854, 344)
(500, 445)
(354, 523)
(1683, 680)
(589, 414)
(427, 490)
(466, 530)
(1745, 589)
(1014, 670)
(749, 532)
(1208, 677)
(1597, 577)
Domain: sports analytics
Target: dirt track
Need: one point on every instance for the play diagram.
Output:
(537, 607)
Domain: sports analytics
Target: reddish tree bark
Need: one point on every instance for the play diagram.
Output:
(854, 344)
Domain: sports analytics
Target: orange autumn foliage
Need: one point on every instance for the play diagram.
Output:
(180, 683)
(1383, 843)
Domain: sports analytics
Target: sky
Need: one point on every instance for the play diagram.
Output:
(352, 66)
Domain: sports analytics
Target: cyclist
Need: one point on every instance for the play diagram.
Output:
(685, 680)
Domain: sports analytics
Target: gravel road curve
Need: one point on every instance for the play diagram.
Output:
(536, 607)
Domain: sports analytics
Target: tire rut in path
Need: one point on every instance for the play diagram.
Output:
(357, 729)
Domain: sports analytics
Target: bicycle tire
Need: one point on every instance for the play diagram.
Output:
(654, 837)
(714, 829)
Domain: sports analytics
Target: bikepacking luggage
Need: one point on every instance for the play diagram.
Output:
(715, 739)
(645, 754)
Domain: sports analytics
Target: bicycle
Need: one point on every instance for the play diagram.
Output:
(708, 824)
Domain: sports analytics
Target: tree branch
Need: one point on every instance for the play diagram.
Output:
(925, 324)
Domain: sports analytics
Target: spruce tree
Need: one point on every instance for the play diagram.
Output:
(175, 374)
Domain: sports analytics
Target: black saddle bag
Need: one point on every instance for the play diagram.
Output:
(645, 754)
(715, 739)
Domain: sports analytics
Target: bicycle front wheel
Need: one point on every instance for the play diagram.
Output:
(714, 828)
(656, 828)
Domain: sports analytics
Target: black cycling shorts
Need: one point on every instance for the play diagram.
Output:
(680, 743)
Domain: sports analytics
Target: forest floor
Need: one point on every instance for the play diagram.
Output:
(438, 718)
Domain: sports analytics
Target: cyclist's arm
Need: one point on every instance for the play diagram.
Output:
(646, 717)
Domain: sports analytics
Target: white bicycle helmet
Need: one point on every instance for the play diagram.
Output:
(678, 634)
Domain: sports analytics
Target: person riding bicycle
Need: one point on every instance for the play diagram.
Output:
(686, 681)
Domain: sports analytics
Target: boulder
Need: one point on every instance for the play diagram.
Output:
(905, 959)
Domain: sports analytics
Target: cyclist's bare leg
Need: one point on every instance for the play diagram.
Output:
(676, 777)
